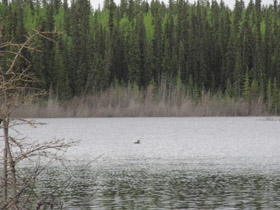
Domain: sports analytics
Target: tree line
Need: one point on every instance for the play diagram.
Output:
(205, 46)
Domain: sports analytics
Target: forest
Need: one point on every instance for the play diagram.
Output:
(152, 49)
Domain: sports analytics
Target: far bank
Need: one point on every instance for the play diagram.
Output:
(163, 102)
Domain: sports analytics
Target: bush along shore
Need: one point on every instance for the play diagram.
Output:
(152, 102)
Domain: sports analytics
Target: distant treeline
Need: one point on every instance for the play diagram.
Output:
(204, 47)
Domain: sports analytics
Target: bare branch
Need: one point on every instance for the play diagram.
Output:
(18, 87)
(46, 149)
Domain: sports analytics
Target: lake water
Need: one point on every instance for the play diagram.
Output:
(181, 163)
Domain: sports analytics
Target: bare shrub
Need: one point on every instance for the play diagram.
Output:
(18, 91)
(131, 101)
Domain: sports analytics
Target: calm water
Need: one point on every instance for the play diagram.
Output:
(181, 163)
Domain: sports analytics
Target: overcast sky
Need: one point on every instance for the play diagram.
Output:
(230, 3)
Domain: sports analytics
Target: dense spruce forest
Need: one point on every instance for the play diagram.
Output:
(194, 49)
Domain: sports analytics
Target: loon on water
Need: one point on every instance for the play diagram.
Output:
(137, 142)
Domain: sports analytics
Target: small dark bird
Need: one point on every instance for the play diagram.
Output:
(137, 142)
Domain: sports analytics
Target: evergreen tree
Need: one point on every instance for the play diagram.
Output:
(123, 7)
(67, 21)
(246, 88)
(80, 38)
(157, 46)
(237, 75)
(144, 53)
(133, 60)
(20, 30)
(275, 97)
(268, 92)
(61, 80)
(199, 46)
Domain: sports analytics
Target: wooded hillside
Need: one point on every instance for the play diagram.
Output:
(201, 47)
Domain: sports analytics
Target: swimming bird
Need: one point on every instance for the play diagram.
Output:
(137, 142)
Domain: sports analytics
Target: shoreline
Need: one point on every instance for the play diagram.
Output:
(139, 111)
(131, 102)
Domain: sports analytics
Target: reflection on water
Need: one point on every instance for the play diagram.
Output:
(181, 163)
(171, 188)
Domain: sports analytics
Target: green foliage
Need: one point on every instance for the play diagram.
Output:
(228, 90)
(179, 85)
(246, 88)
(61, 80)
(148, 20)
(133, 61)
(125, 25)
(29, 18)
(254, 90)
(103, 17)
(190, 86)
(193, 47)
(275, 98)
(59, 19)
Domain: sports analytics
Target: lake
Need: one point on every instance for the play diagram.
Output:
(181, 163)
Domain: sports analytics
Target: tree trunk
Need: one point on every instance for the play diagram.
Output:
(9, 161)
(5, 176)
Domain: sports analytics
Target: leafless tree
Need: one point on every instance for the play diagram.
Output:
(17, 86)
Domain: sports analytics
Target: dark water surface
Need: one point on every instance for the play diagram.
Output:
(181, 163)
